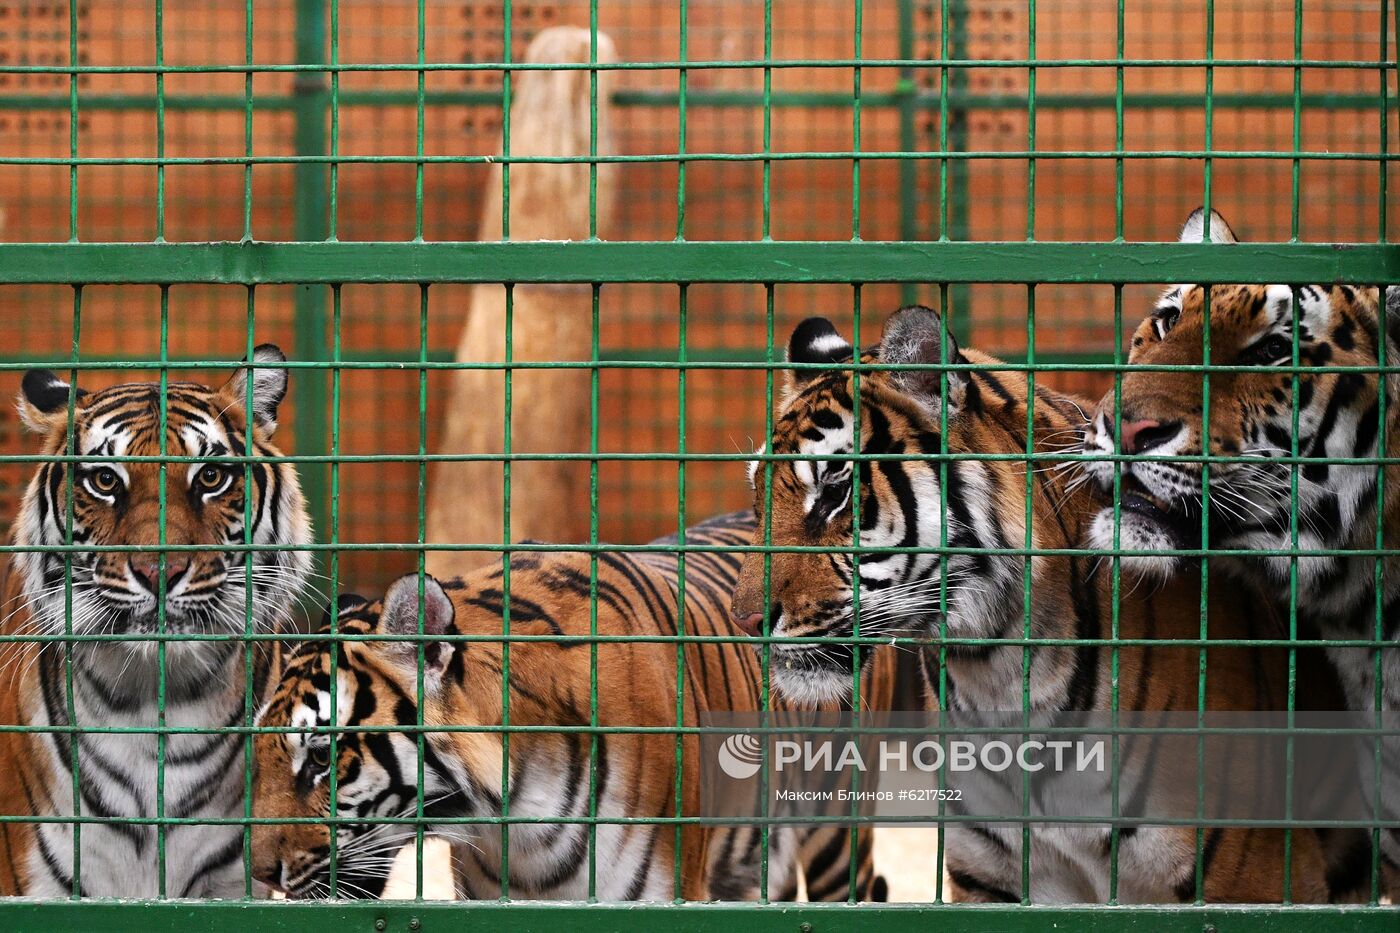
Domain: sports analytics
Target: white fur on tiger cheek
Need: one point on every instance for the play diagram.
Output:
(1135, 533)
(303, 717)
(753, 464)
(1098, 439)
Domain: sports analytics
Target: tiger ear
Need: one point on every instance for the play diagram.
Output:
(345, 602)
(1193, 231)
(815, 340)
(269, 386)
(43, 401)
(401, 614)
(915, 334)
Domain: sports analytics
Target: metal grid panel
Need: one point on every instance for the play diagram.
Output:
(808, 199)
(1043, 140)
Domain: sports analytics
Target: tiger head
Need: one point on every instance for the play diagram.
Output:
(200, 499)
(1162, 413)
(804, 497)
(376, 761)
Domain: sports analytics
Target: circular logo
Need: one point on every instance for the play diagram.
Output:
(741, 756)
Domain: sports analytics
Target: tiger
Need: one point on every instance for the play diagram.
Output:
(811, 593)
(1251, 419)
(116, 501)
(637, 595)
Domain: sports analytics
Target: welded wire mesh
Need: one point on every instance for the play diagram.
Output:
(182, 181)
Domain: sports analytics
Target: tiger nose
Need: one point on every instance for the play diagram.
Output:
(146, 568)
(750, 624)
(1142, 436)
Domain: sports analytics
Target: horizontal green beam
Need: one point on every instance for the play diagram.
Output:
(743, 64)
(19, 357)
(971, 100)
(259, 263)
(925, 98)
(430, 917)
(753, 157)
(759, 355)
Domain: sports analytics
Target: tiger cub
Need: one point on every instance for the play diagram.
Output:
(551, 774)
(811, 593)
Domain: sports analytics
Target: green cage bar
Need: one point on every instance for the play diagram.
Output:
(190, 193)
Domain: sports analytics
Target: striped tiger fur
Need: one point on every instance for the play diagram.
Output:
(115, 683)
(1253, 501)
(550, 685)
(811, 594)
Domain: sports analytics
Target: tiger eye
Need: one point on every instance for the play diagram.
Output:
(320, 756)
(104, 481)
(211, 476)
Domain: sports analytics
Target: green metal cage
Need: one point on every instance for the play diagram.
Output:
(182, 180)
